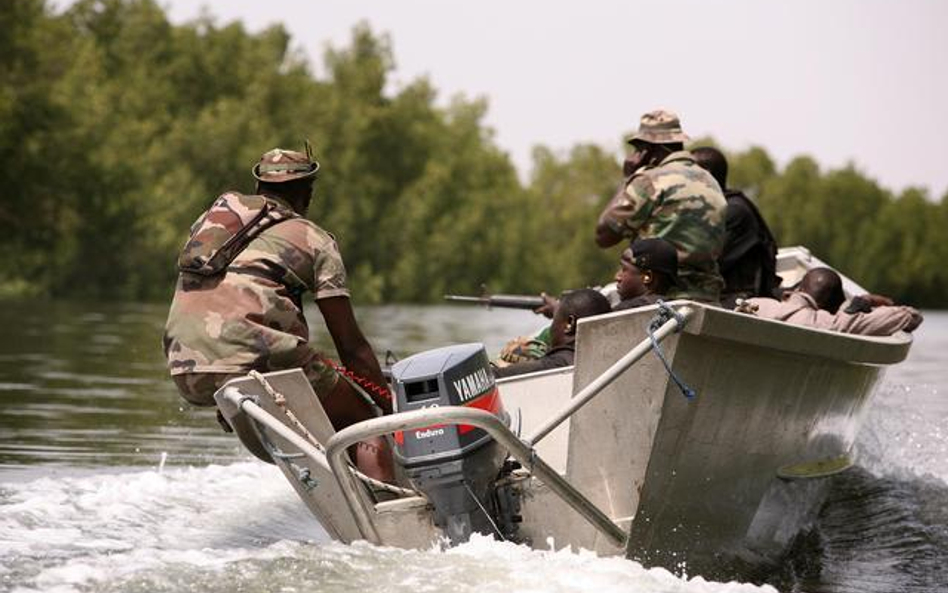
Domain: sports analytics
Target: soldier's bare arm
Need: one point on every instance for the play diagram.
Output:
(353, 349)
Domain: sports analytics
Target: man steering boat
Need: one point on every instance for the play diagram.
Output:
(238, 305)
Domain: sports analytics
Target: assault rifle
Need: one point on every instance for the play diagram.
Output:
(509, 301)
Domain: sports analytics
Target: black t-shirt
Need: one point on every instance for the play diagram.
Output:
(748, 261)
(639, 301)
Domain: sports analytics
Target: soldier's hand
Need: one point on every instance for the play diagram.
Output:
(632, 163)
(548, 307)
(915, 322)
(745, 306)
(635, 161)
(877, 300)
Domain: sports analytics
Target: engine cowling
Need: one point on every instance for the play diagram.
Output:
(455, 466)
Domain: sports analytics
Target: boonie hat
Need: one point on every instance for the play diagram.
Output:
(659, 127)
(657, 255)
(280, 165)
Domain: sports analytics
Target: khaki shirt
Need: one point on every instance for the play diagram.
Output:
(251, 316)
(800, 309)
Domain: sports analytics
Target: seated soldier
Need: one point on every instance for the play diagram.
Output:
(572, 307)
(816, 303)
(648, 270)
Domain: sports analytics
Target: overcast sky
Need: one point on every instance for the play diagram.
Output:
(842, 80)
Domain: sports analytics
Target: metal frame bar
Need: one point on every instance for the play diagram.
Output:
(258, 414)
(609, 375)
(252, 409)
(521, 451)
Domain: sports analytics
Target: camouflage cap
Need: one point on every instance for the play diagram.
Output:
(279, 165)
(659, 127)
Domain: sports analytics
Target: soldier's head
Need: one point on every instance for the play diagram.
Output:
(648, 266)
(573, 306)
(713, 161)
(825, 287)
(288, 174)
(658, 136)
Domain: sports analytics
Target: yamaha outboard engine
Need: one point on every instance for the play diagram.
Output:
(453, 465)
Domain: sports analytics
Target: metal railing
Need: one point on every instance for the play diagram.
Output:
(609, 375)
(252, 409)
(486, 421)
(522, 450)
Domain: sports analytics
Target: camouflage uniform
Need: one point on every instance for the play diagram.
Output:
(678, 201)
(524, 348)
(236, 310)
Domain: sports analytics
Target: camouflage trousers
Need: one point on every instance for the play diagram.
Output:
(199, 388)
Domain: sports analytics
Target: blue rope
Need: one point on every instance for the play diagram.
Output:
(665, 314)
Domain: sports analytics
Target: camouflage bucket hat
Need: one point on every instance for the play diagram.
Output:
(279, 165)
(659, 127)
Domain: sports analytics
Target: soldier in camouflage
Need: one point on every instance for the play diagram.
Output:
(667, 195)
(238, 303)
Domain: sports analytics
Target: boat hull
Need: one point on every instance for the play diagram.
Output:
(730, 475)
(708, 484)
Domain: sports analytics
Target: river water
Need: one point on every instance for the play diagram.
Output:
(108, 482)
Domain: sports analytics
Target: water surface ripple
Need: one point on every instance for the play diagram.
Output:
(109, 482)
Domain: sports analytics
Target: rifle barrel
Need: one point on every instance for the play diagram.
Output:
(507, 301)
(516, 301)
(466, 299)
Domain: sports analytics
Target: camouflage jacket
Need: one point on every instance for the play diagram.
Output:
(680, 202)
(250, 314)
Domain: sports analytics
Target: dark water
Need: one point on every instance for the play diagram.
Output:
(109, 482)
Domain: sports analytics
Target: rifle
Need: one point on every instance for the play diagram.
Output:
(509, 301)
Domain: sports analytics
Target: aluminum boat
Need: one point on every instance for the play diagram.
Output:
(685, 436)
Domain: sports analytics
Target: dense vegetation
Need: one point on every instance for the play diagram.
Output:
(117, 128)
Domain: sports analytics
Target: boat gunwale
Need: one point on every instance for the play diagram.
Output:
(567, 370)
(743, 328)
(715, 322)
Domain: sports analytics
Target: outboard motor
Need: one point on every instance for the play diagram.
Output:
(455, 466)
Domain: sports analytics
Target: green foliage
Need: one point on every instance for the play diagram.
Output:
(561, 205)
(751, 170)
(888, 244)
(118, 128)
